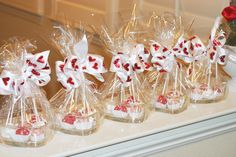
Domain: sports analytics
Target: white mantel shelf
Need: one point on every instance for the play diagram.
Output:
(159, 132)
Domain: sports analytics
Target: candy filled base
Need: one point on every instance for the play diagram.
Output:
(129, 111)
(28, 134)
(201, 93)
(78, 123)
(172, 102)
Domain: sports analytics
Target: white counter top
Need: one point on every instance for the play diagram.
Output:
(159, 131)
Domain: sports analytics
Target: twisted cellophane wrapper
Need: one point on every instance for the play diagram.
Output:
(205, 77)
(78, 110)
(26, 118)
(169, 93)
(125, 92)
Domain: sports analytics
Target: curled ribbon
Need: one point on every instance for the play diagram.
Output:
(162, 58)
(189, 50)
(35, 68)
(70, 72)
(126, 64)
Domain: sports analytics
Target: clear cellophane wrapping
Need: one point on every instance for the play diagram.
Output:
(207, 80)
(77, 108)
(169, 92)
(126, 91)
(26, 118)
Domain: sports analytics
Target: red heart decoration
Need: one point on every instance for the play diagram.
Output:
(165, 49)
(212, 54)
(222, 59)
(91, 59)
(126, 66)
(46, 67)
(158, 64)
(5, 80)
(35, 72)
(185, 51)
(116, 63)
(181, 45)
(198, 45)
(128, 79)
(62, 67)
(70, 81)
(40, 59)
(73, 61)
(156, 47)
(216, 43)
(30, 63)
(95, 66)
(136, 67)
(175, 49)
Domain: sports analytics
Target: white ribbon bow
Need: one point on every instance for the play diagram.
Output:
(189, 50)
(126, 64)
(162, 58)
(70, 71)
(35, 68)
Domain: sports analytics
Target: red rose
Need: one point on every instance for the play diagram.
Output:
(229, 13)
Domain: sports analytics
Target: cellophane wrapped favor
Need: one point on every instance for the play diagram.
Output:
(26, 119)
(77, 109)
(169, 93)
(126, 91)
(207, 82)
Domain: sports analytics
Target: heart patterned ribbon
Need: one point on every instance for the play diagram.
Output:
(162, 58)
(70, 72)
(35, 68)
(189, 50)
(125, 65)
(216, 50)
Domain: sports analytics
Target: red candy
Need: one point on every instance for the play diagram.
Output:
(117, 108)
(70, 119)
(22, 131)
(162, 99)
(123, 109)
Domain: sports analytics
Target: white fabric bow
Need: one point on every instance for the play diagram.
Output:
(189, 50)
(126, 64)
(35, 68)
(162, 58)
(70, 72)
